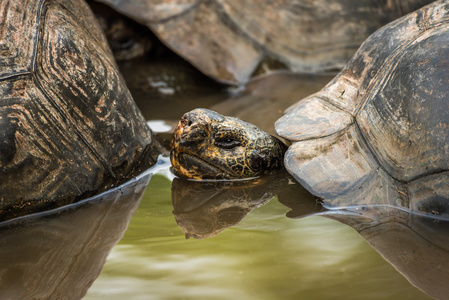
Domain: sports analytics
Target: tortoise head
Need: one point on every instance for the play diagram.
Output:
(207, 145)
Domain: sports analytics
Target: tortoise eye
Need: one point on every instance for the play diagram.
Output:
(226, 142)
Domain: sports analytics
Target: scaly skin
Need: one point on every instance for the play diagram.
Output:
(207, 145)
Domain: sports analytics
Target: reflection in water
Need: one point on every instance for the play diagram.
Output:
(413, 237)
(265, 256)
(205, 209)
(416, 245)
(58, 254)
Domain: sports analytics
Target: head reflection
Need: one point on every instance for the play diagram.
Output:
(204, 209)
(410, 232)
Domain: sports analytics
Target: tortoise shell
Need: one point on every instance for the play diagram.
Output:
(230, 39)
(386, 114)
(69, 126)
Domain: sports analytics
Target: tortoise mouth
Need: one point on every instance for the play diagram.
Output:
(192, 166)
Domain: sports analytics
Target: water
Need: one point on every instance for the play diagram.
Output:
(265, 256)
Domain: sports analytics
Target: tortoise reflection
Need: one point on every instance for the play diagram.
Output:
(58, 254)
(417, 245)
(411, 234)
(204, 209)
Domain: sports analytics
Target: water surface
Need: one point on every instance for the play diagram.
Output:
(265, 256)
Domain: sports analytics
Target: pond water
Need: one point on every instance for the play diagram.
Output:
(265, 256)
(249, 249)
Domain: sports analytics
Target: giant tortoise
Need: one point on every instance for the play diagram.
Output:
(230, 39)
(69, 126)
(385, 117)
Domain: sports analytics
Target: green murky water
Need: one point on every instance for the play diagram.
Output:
(265, 256)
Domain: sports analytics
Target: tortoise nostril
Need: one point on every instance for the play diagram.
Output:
(186, 121)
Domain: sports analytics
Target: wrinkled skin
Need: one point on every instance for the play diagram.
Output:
(207, 145)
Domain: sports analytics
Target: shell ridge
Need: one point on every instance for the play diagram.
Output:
(325, 97)
(15, 74)
(371, 153)
(75, 129)
(38, 34)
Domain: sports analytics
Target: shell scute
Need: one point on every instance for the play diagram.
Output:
(65, 112)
